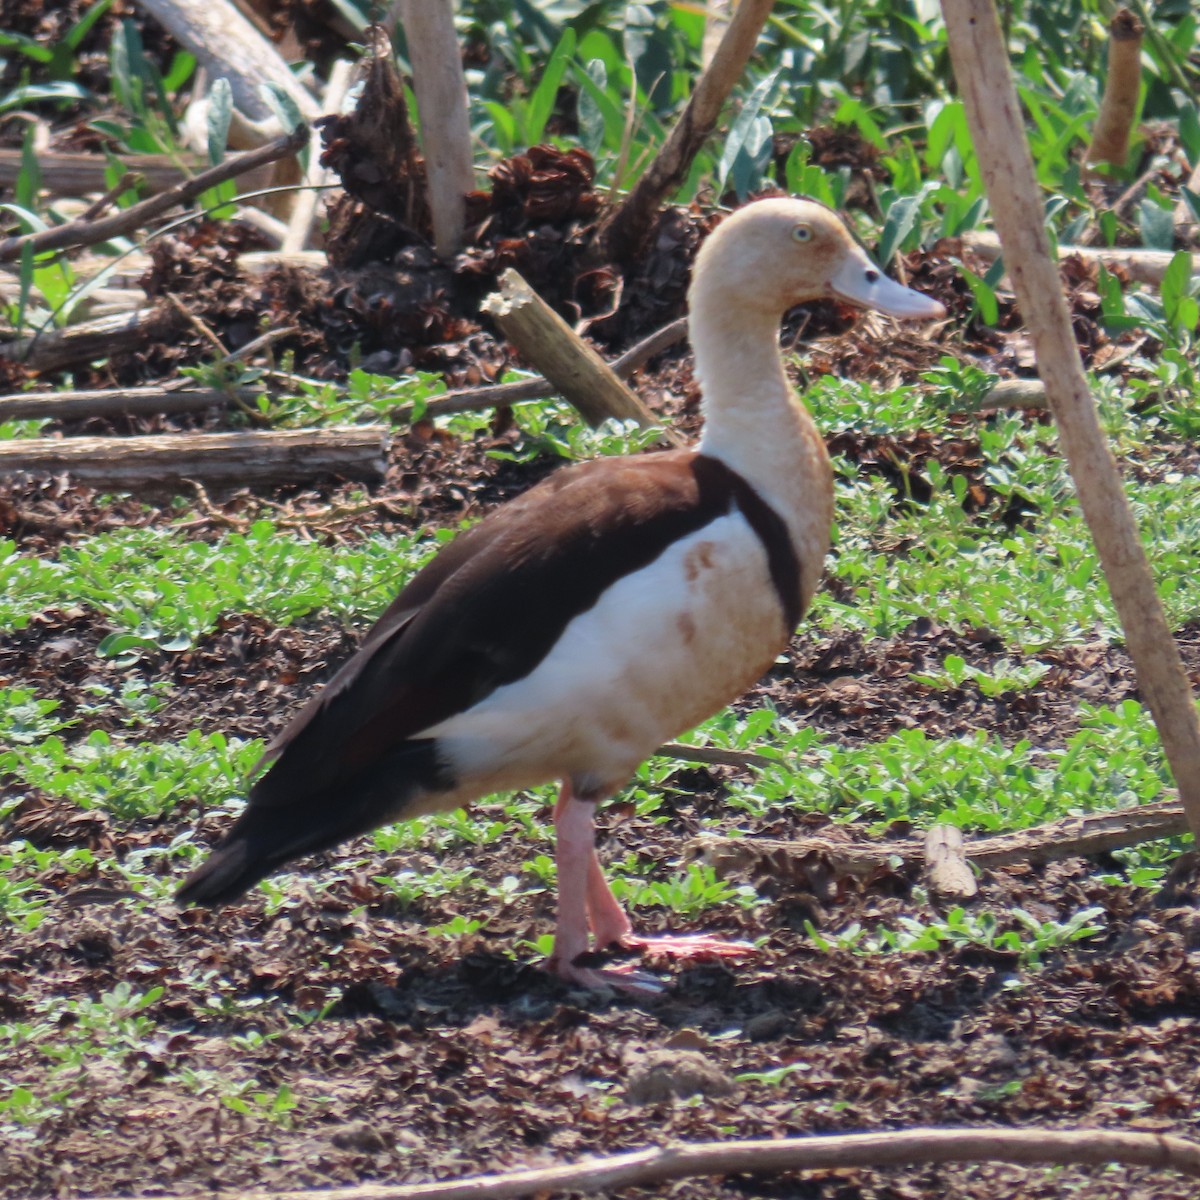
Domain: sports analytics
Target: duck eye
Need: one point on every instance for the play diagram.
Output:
(802, 233)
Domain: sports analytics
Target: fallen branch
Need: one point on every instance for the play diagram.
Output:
(107, 402)
(622, 234)
(578, 373)
(1142, 266)
(1114, 122)
(120, 333)
(79, 173)
(1071, 837)
(715, 755)
(167, 461)
(657, 1164)
(228, 46)
(441, 91)
(88, 233)
(500, 395)
(982, 70)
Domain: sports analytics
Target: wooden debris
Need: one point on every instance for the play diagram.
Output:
(107, 402)
(580, 375)
(1071, 837)
(80, 173)
(229, 47)
(441, 91)
(1114, 121)
(981, 67)
(946, 869)
(823, 1152)
(622, 234)
(170, 461)
(1142, 266)
(119, 224)
(120, 333)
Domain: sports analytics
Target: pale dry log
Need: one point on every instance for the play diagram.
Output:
(57, 349)
(622, 234)
(228, 47)
(579, 374)
(893, 1148)
(982, 70)
(88, 233)
(441, 91)
(108, 402)
(78, 173)
(1142, 266)
(1071, 837)
(1114, 121)
(169, 461)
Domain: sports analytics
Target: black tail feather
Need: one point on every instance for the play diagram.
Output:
(272, 830)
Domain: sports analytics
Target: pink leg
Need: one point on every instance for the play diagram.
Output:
(575, 856)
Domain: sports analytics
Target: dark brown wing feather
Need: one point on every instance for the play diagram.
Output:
(481, 614)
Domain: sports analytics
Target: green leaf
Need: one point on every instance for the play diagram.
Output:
(541, 103)
(985, 297)
(747, 135)
(1157, 225)
(1176, 285)
(594, 108)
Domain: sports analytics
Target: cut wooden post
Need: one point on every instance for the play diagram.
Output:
(563, 357)
(1114, 121)
(946, 868)
(167, 461)
(441, 91)
(623, 232)
(980, 60)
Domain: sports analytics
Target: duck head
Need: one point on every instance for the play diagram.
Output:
(778, 252)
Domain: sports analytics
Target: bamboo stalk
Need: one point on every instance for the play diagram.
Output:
(623, 232)
(581, 376)
(981, 67)
(891, 1148)
(1114, 121)
(441, 91)
(220, 460)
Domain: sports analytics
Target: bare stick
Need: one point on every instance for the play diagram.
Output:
(981, 66)
(65, 406)
(623, 232)
(88, 233)
(1114, 122)
(1143, 266)
(169, 460)
(101, 338)
(1071, 837)
(643, 1168)
(228, 47)
(500, 395)
(580, 375)
(76, 172)
(441, 91)
(304, 208)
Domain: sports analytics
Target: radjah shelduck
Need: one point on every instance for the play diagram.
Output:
(607, 610)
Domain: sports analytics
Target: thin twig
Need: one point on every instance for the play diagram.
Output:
(501, 395)
(88, 233)
(657, 1164)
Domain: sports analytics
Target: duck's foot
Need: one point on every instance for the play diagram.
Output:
(685, 946)
(621, 978)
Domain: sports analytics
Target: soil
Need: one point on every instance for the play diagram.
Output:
(379, 1050)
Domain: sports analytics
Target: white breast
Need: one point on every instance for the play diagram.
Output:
(662, 649)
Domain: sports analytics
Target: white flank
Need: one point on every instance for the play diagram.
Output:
(661, 650)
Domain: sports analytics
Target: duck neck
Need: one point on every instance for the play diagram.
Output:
(754, 423)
